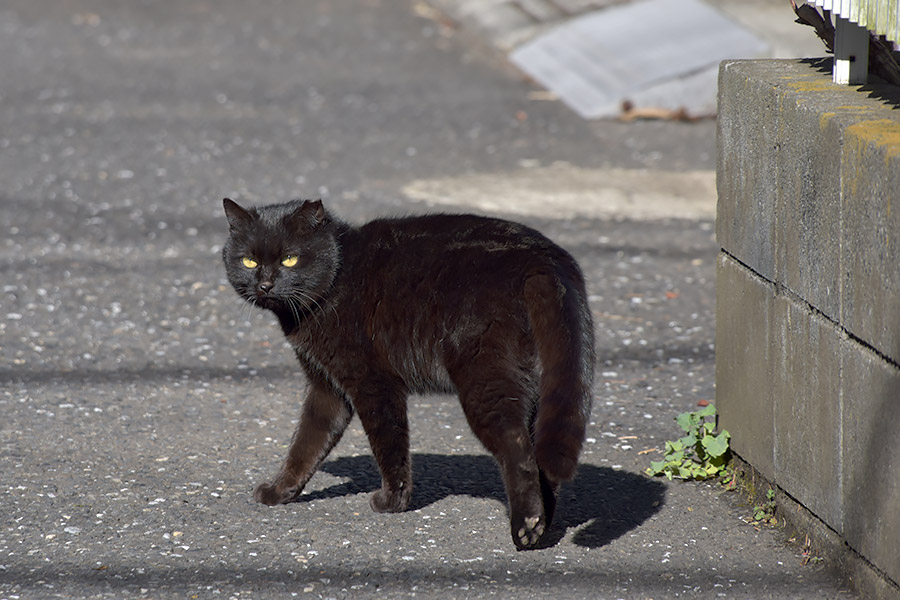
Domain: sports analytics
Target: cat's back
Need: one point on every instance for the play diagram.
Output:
(444, 254)
(448, 235)
(427, 290)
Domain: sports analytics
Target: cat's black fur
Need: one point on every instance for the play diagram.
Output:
(487, 309)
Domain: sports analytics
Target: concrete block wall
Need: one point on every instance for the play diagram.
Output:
(808, 293)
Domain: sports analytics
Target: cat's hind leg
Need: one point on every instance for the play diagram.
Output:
(322, 423)
(550, 494)
(497, 408)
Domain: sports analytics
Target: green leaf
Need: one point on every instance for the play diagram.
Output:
(718, 461)
(687, 421)
(672, 447)
(657, 467)
(687, 441)
(715, 446)
(707, 411)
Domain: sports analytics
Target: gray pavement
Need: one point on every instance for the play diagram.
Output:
(141, 402)
(507, 24)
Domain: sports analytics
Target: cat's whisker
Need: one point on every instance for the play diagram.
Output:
(315, 300)
(295, 306)
(333, 309)
(309, 305)
(302, 298)
(295, 310)
(246, 305)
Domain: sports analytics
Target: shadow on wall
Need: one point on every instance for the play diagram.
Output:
(606, 502)
(877, 90)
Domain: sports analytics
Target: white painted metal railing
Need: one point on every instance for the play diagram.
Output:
(881, 17)
(853, 21)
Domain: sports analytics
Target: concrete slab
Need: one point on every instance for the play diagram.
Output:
(652, 53)
(808, 229)
(871, 454)
(870, 244)
(745, 225)
(744, 380)
(807, 399)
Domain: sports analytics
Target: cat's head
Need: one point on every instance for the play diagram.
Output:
(283, 257)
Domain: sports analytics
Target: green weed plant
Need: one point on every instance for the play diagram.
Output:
(700, 454)
(765, 512)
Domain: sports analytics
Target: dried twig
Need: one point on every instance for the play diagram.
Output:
(630, 112)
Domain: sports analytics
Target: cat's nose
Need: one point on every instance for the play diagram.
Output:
(265, 286)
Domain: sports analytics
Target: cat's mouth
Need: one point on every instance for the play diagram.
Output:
(267, 301)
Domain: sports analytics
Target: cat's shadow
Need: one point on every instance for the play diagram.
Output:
(604, 503)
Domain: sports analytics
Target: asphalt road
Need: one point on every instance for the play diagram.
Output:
(141, 402)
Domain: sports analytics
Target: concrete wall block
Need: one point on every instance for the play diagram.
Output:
(806, 366)
(871, 456)
(745, 221)
(870, 173)
(744, 382)
(808, 183)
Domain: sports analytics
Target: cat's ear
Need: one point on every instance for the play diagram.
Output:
(237, 215)
(310, 213)
(317, 211)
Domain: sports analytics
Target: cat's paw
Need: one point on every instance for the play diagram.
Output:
(387, 501)
(527, 531)
(270, 494)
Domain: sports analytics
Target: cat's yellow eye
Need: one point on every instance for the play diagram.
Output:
(290, 260)
(249, 262)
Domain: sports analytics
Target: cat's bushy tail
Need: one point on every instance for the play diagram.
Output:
(564, 336)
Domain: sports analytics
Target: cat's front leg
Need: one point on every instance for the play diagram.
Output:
(271, 494)
(382, 410)
(324, 418)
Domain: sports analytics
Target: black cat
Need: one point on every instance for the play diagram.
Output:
(487, 309)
